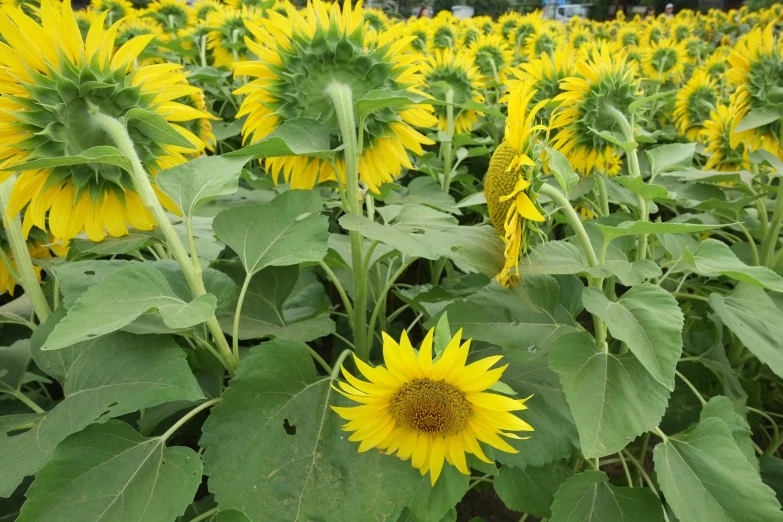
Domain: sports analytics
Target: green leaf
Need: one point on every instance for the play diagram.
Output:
(674, 156)
(275, 307)
(195, 182)
(760, 116)
(110, 472)
(432, 503)
(632, 228)
(381, 99)
(108, 377)
(649, 321)
(156, 128)
(589, 497)
(560, 257)
(647, 191)
(753, 317)
(442, 335)
(313, 473)
(122, 297)
(17, 311)
(424, 190)
(712, 258)
(101, 154)
(636, 105)
(286, 231)
(772, 474)
(722, 408)
(612, 397)
(298, 137)
(508, 318)
(706, 478)
(531, 490)
(562, 170)
(111, 246)
(14, 360)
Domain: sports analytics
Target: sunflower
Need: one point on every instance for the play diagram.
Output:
(130, 28)
(201, 9)
(507, 25)
(681, 30)
(456, 70)
(718, 136)
(261, 5)
(655, 32)
(117, 9)
(419, 33)
(297, 62)
(511, 172)
(579, 36)
(48, 69)
(469, 35)
(442, 33)
(39, 246)
(430, 410)
(665, 61)
(716, 64)
(607, 86)
(492, 56)
(545, 75)
(539, 43)
(628, 36)
(694, 103)
(610, 163)
(201, 127)
(172, 15)
(226, 40)
(757, 71)
(376, 19)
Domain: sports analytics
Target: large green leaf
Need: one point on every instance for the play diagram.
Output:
(431, 503)
(101, 154)
(753, 317)
(713, 258)
(81, 247)
(674, 156)
(612, 398)
(760, 116)
(560, 257)
(531, 490)
(706, 478)
(156, 128)
(772, 474)
(110, 472)
(14, 360)
(522, 320)
(313, 473)
(286, 231)
(107, 377)
(298, 137)
(589, 497)
(632, 228)
(195, 182)
(649, 321)
(562, 170)
(722, 408)
(424, 190)
(122, 297)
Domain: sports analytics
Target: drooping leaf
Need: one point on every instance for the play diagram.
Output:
(531, 490)
(286, 231)
(589, 497)
(674, 156)
(706, 478)
(110, 472)
(649, 321)
(122, 297)
(753, 317)
(712, 258)
(302, 466)
(612, 398)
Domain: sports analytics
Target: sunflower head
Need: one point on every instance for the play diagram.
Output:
(628, 36)
(507, 24)
(172, 15)
(492, 56)
(695, 101)
(446, 70)
(50, 93)
(539, 43)
(665, 60)
(300, 57)
(117, 9)
(226, 40)
(716, 63)
(681, 30)
(376, 19)
(39, 245)
(133, 27)
(469, 35)
(718, 135)
(602, 92)
(545, 75)
(443, 33)
(201, 9)
(579, 36)
(430, 409)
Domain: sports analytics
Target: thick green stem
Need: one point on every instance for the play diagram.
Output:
(603, 195)
(448, 146)
(202, 50)
(342, 100)
(119, 135)
(24, 263)
(28, 402)
(192, 413)
(238, 315)
(773, 236)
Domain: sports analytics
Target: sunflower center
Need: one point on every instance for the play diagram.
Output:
(431, 407)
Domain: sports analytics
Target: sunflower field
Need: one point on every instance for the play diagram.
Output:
(266, 262)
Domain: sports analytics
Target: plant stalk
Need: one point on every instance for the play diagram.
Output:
(773, 236)
(448, 147)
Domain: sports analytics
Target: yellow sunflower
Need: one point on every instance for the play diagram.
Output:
(492, 56)
(545, 75)
(719, 135)
(543, 42)
(201, 9)
(40, 247)
(297, 63)
(172, 15)
(47, 67)
(443, 32)
(665, 60)
(226, 40)
(430, 409)
(511, 172)
(456, 70)
(694, 103)
(610, 163)
(579, 36)
(117, 9)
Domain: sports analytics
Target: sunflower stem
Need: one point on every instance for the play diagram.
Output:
(238, 315)
(448, 147)
(342, 100)
(603, 195)
(773, 236)
(202, 50)
(338, 364)
(116, 130)
(24, 263)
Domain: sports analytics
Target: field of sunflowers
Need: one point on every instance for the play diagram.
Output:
(266, 262)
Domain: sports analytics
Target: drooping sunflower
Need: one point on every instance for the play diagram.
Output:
(172, 15)
(606, 82)
(722, 151)
(694, 103)
(512, 170)
(492, 56)
(117, 9)
(757, 72)
(226, 40)
(51, 83)
(665, 60)
(296, 65)
(430, 409)
(457, 70)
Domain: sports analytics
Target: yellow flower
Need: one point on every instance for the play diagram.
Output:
(172, 15)
(458, 71)
(430, 411)
(296, 64)
(38, 249)
(724, 152)
(227, 37)
(610, 163)
(492, 56)
(49, 67)
(201, 9)
(664, 60)
(117, 9)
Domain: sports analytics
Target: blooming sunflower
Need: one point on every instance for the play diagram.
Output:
(610, 163)
(757, 71)
(297, 62)
(579, 36)
(376, 19)
(469, 35)
(539, 43)
(716, 63)
(694, 103)
(607, 83)
(117, 9)
(132, 27)
(628, 36)
(443, 32)
(51, 83)
(39, 246)
(457, 70)
(200, 10)
(417, 30)
(718, 135)
(545, 75)
(261, 5)
(511, 172)
(430, 410)
(172, 15)
(665, 60)
(226, 40)
(492, 56)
